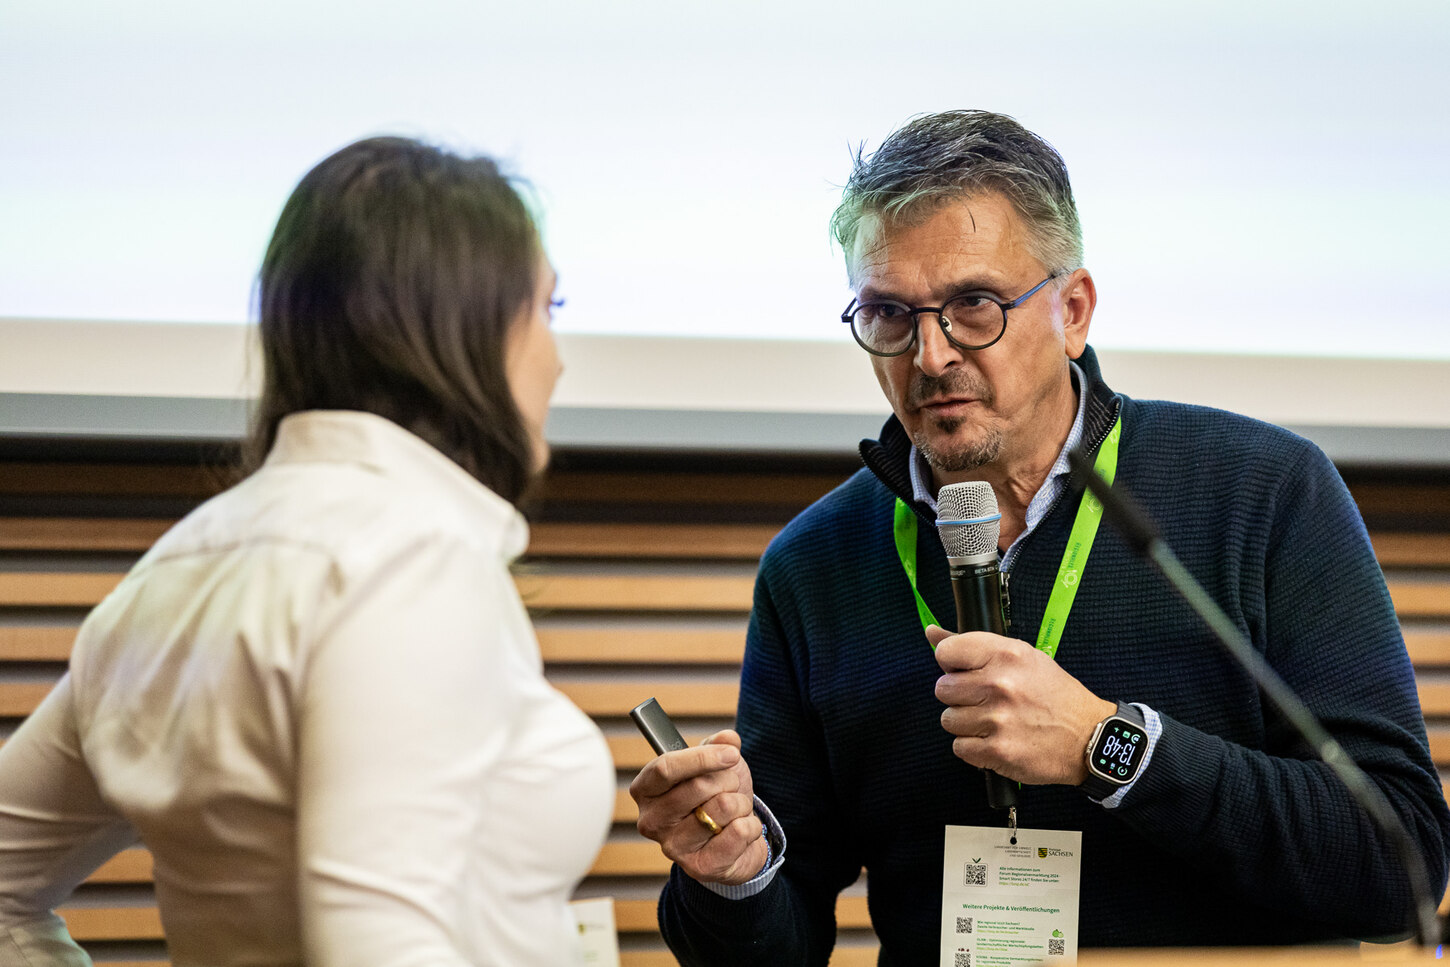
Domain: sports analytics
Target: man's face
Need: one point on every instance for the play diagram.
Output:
(966, 409)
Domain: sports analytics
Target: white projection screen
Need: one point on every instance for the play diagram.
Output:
(1263, 185)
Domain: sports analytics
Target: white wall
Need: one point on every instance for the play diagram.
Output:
(777, 376)
(1262, 176)
(1262, 184)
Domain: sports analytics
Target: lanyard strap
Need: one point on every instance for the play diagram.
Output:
(903, 528)
(1074, 557)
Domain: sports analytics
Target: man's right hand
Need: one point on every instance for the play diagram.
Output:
(712, 776)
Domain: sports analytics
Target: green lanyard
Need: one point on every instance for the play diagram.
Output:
(1074, 558)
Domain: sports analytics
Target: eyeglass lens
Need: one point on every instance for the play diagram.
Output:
(969, 321)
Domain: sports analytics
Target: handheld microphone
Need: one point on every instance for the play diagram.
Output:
(969, 524)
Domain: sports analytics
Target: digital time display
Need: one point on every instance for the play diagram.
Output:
(1118, 750)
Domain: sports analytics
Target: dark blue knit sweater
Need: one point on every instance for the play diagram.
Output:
(1230, 836)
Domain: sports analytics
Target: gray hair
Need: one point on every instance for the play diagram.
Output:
(936, 158)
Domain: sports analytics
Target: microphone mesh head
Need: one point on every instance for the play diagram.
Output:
(967, 519)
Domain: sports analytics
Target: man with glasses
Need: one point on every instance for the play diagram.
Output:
(963, 247)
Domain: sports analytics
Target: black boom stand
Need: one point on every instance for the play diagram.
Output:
(1143, 537)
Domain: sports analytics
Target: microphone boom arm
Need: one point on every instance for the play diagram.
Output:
(1134, 524)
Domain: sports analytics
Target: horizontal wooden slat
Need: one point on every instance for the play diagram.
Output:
(21, 643)
(636, 592)
(80, 533)
(630, 858)
(647, 958)
(547, 539)
(625, 809)
(1439, 745)
(111, 479)
(642, 645)
(1434, 698)
(851, 911)
(564, 487)
(595, 645)
(127, 866)
(639, 858)
(636, 916)
(599, 592)
(1411, 550)
(55, 588)
(631, 752)
(1379, 499)
(19, 699)
(112, 923)
(586, 645)
(842, 956)
(540, 591)
(569, 540)
(1428, 648)
(641, 916)
(680, 699)
(602, 698)
(1421, 599)
(691, 541)
(748, 489)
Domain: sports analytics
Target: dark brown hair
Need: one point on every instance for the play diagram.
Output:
(390, 285)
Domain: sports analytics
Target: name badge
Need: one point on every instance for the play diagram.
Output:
(1010, 903)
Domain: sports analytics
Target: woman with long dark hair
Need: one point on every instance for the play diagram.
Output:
(318, 700)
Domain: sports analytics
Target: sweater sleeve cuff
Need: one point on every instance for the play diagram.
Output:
(774, 857)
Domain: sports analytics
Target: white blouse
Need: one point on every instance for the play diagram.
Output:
(318, 700)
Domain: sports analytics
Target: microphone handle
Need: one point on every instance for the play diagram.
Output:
(977, 589)
(978, 592)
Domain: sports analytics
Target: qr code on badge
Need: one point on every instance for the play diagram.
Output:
(964, 924)
(974, 874)
(963, 959)
(1056, 946)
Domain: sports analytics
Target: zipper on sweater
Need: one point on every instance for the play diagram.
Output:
(1006, 603)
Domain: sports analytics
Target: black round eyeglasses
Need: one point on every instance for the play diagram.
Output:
(970, 320)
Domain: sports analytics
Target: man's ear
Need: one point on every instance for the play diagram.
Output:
(1079, 296)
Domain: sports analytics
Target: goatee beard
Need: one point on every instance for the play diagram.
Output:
(967, 455)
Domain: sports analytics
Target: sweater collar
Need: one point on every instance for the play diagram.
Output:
(888, 458)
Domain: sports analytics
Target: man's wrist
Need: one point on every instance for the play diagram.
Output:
(1153, 724)
(775, 844)
(1116, 752)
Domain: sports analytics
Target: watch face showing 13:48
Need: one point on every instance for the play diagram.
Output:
(1119, 750)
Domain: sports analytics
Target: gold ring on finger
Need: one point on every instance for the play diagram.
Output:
(705, 820)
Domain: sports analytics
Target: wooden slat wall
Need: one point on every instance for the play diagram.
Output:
(625, 609)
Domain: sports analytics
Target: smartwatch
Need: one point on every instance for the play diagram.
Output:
(1115, 752)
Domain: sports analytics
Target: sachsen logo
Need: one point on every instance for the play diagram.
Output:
(1043, 852)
